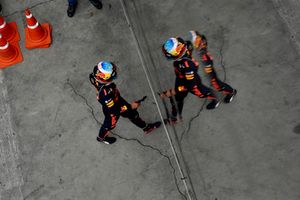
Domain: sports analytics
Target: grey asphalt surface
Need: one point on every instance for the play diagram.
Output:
(246, 150)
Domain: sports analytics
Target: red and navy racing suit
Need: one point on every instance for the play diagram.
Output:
(188, 80)
(207, 62)
(114, 106)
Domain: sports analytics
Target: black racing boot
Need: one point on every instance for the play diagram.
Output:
(107, 140)
(96, 3)
(150, 127)
(212, 105)
(71, 9)
(229, 97)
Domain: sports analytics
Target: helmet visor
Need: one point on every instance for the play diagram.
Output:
(177, 49)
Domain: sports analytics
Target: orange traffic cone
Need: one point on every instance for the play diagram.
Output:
(9, 30)
(36, 35)
(10, 54)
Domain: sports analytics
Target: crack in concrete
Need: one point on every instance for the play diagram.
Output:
(35, 191)
(191, 120)
(187, 130)
(221, 54)
(224, 79)
(35, 5)
(131, 139)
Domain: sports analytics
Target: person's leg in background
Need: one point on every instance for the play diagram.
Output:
(72, 7)
(219, 85)
(223, 87)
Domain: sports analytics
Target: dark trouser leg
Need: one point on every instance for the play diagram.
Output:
(109, 123)
(72, 7)
(174, 108)
(217, 83)
(202, 91)
(179, 97)
(72, 2)
(207, 61)
(181, 92)
(134, 117)
(221, 86)
(138, 121)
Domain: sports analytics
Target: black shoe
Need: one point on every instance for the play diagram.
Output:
(150, 127)
(96, 3)
(229, 97)
(212, 105)
(71, 10)
(107, 140)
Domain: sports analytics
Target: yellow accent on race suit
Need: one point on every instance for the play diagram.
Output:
(208, 69)
(181, 88)
(123, 108)
(189, 76)
(110, 103)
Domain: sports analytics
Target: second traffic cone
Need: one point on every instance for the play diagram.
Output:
(9, 30)
(10, 54)
(36, 35)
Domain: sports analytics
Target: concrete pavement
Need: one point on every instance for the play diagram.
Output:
(244, 150)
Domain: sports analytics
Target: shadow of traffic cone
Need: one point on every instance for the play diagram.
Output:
(9, 30)
(36, 35)
(10, 53)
